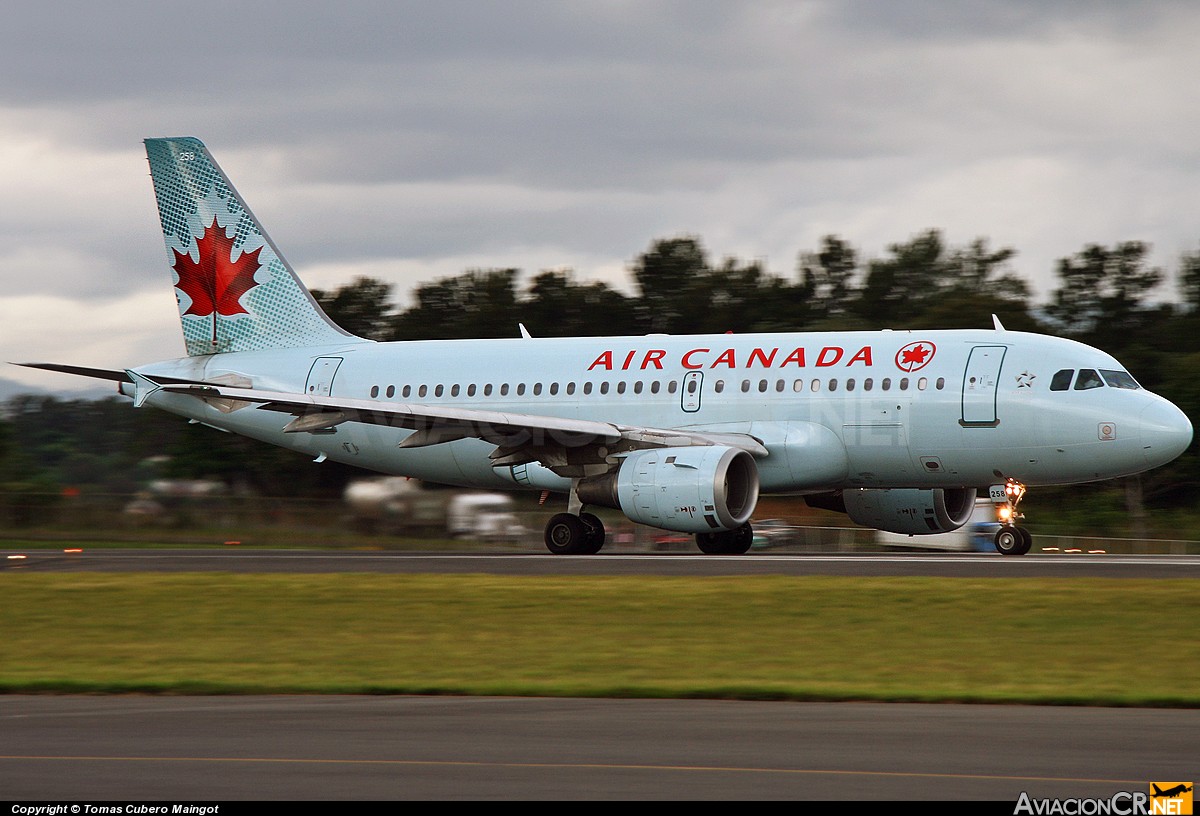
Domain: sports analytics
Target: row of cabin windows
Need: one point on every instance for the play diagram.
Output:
(654, 386)
(1090, 378)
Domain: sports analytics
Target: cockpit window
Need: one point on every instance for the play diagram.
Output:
(1119, 379)
(1088, 378)
(1062, 380)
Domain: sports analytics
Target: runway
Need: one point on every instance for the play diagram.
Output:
(205, 748)
(127, 748)
(949, 565)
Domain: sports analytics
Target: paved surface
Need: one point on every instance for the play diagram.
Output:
(220, 748)
(859, 564)
(206, 748)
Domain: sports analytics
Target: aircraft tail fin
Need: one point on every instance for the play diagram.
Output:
(235, 290)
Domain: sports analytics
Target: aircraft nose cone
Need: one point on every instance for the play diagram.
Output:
(1166, 433)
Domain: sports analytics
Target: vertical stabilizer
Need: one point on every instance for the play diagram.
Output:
(235, 291)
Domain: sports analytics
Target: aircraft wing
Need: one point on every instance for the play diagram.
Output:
(555, 441)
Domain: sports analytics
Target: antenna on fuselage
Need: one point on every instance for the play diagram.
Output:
(524, 331)
(996, 322)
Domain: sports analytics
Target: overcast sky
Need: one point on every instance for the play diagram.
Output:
(414, 140)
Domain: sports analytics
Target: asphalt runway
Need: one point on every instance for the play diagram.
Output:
(949, 565)
(126, 748)
(129, 748)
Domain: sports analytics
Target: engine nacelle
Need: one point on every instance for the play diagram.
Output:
(700, 489)
(911, 511)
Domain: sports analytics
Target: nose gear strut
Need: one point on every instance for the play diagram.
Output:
(1011, 539)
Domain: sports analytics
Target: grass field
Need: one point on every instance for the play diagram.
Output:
(1103, 642)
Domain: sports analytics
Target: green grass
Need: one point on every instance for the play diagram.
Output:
(1105, 642)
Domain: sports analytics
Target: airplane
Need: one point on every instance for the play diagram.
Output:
(1170, 793)
(897, 429)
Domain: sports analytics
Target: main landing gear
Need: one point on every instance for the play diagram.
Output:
(730, 542)
(1010, 538)
(570, 534)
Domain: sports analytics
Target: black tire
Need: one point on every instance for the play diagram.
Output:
(1009, 541)
(595, 533)
(710, 543)
(1026, 540)
(729, 542)
(566, 535)
(741, 539)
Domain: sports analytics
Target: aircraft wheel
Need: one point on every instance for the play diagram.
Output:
(741, 539)
(595, 533)
(566, 535)
(729, 542)
(710, 543)
(1026, 540)
(1009, 541)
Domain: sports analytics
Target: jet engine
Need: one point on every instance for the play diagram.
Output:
(702, 489)
(911, 511)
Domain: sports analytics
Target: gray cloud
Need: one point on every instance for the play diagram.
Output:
(411, 137)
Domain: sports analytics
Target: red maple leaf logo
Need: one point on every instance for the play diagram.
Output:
(914, 356)
(216, 283)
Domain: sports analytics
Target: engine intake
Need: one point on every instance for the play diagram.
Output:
(911, 511)
(700, 489)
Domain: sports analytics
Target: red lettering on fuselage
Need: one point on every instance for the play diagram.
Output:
(796, 357)
(863, 355)
(687, 358)
(604, 361)
(726, 358)
(653, 358)
(828, 356)
(764, 357)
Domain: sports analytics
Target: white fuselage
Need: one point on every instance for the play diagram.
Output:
(834, 409)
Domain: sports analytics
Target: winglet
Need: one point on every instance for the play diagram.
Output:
(143, 387)
(996, 322)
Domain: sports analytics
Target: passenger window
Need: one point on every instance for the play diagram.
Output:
(816, 386)
(692, 386)
(471, 390)
(718, 386)
(868, 383)
(423, 390)
(570, 388)
(407, 392)
(621, 387)
(940, 384)
(537, 389)
(454, 390)
(904, 383)
(745, 386)
(922, 384)
(762, 386)
(391, 391)
(833, 385)
(553, 389)
(671, 387)
(1088, 379)
(604, 388)
(886, 385)
(587, 388)
(504, 390)
(780, 385)
(1061, 381)
(437, 392)
(655, 386)
(637, 387)
(850, 384)
(520, 389)
(487, 390)
(374, 391)
(798, 386)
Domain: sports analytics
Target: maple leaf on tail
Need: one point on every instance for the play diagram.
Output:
(216, 283)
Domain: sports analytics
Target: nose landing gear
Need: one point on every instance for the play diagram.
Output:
(1011, 539)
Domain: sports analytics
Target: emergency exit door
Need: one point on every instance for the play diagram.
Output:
(690, 391)
(320, 376)
(980, 386)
